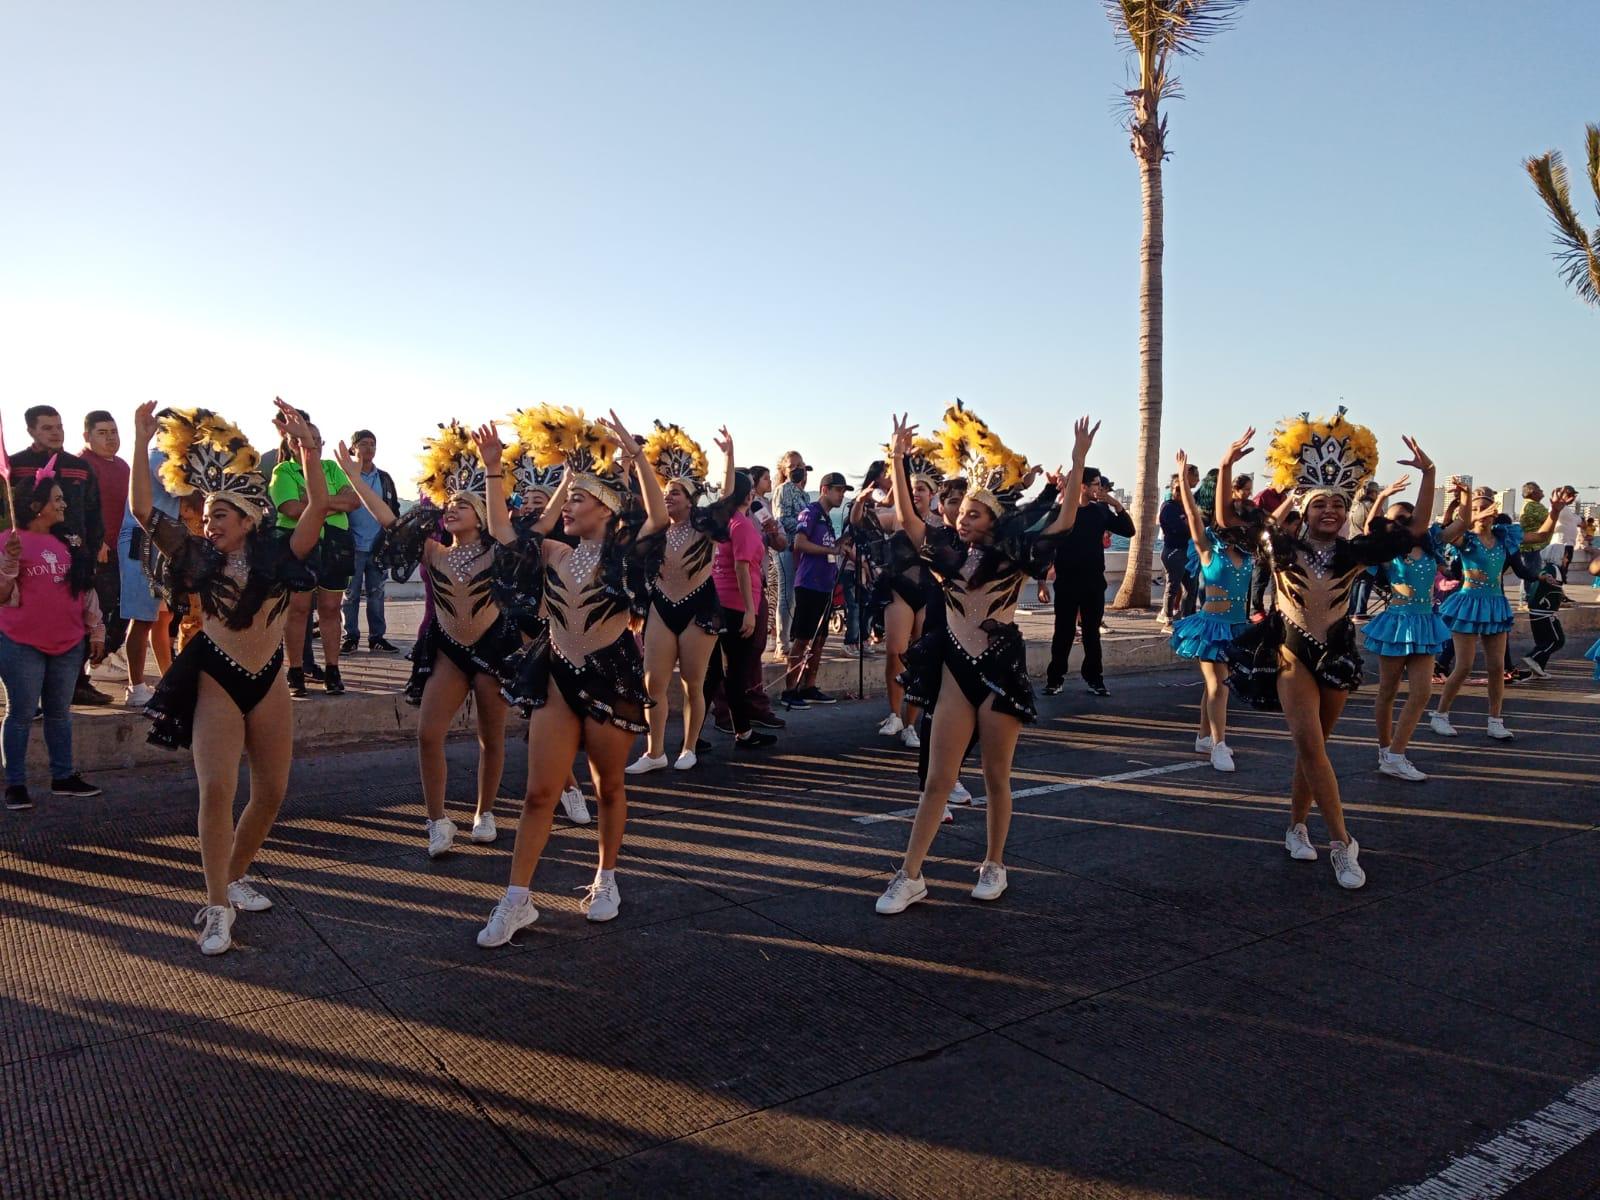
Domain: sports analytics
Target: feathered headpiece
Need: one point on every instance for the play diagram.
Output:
(1328, 455)
(921, 464)
(525, 474)
(676, 458)
(966, 446)
(562, 437)
(451, 467)
(209, 454)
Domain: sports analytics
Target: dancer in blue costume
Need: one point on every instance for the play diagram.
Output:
(1221, 557)
(1478, 610)
(1408, 634)
(1593, 655)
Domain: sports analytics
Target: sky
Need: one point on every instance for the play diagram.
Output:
(795, 219)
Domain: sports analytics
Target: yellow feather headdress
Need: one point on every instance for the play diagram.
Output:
(922, 463)
(524, 473)
(552, 436)
(207, 453)
(967, 446)
(1325, 454)
(451, 466)
(676, 458)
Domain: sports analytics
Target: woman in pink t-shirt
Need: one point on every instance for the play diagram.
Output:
(47, 610)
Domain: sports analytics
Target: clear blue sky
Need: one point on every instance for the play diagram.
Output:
(794, 218)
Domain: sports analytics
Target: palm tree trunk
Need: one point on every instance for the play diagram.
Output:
(1135, 589)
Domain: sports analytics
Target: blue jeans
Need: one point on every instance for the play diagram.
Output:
(785, 596)
(33, 678)
(368, 577)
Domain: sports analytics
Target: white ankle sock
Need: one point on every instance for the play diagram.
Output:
(516, 895)
(604, 876)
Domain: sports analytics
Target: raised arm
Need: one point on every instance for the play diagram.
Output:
(724, 442)
(308, 530)
(1376, 509)
(1422, 514)
(490, 449)
(140, 497)
(655, 503)
(1458, 516)
(1222, 503)
(1191, 510)
(1559, 499)
(905, 509)
(551, 516)
(374, 503)
(1070, 487)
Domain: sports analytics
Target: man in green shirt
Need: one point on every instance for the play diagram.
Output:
(334, 560)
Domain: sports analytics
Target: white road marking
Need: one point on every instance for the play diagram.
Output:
(905, 814)
(1495, 1167)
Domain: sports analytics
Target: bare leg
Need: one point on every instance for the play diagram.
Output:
(1312, 711)
(1390, 671)
(218, 743)
(660, 656)
(1215, 713)
(1419, 689)
(607, 749)
(1466, 655)
(136, 648)
(1494, 659)
(556, 731)
(330, 612)
(997, 738)
(695, 648)
(269, 741)
(814, 657)
(294, 631)
(491, 708)
(953, 721)
(897, 622)
(442, 697)
(161, 640)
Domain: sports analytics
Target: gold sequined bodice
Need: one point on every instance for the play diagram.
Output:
(686, 565)
(584, 615)
(1311, 594)
(463, 594)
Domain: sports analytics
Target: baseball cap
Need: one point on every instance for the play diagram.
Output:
(834, 479)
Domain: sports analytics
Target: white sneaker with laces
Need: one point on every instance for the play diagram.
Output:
(1203, 744)
(441, 836)
(216, 928)
(991, 882)
(1538, 671)
(686, 761)
(244, 897)
(483, 829)
(902, 893)
(910, 739)
(1399, 766)
(1222, 758)
(1440, 723)
(138, 695)
(1498, 730)
(1298, 842)
(1346, 870)
(573, 805)
(603, 898)
(508, 917)
(959, 794)
(891, 725)
(644, 764)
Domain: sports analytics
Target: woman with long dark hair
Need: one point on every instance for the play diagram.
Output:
(225, 694)
(49, 618)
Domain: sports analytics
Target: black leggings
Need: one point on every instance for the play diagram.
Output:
(1548, 637)
(1079, 593)
(737, 658)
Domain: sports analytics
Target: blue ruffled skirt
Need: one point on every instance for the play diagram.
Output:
(1205, 637)
(1477, 611)
(1402, 632)
(1593, 655)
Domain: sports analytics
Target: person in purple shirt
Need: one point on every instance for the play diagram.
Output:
(817, 555)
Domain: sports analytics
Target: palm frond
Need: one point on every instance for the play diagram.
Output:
(1161, 27)
(1575, 253)
(1592, 133)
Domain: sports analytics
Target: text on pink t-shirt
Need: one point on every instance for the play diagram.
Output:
(43, 612)
(744, 545)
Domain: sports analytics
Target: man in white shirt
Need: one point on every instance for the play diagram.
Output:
(1565, 537)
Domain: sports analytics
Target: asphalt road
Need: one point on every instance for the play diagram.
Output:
(1162, 1005)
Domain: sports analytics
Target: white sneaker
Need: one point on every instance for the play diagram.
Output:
(949, 817)
(1498, 730)
(1202, 745)
(1345, 867)
(685, 761)
(1298, 842)
(991, 882)
(483, 829)
(216, 928)
(441, 836)
(572, 804)
(603, 899)
(508, 917)
(959, 794)
(891, 725)
(1440, 724)
(1538, 671)
(1399, 766)
(902, 893)
(909, 738)
(138, 695)
(242, 896)
(644, 764)
(1222, 758)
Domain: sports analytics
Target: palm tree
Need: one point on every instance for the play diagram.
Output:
(1577, 250)
(1155, 32)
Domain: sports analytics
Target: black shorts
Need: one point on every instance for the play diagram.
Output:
(336, 559)
(811, 610)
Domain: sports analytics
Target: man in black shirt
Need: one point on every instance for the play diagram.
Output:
(1081, 583)
(1174, 521)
